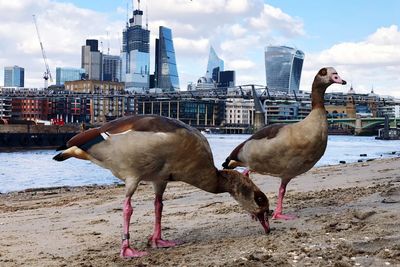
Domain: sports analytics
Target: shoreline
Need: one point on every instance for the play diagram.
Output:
(363, 159)
(347, 215)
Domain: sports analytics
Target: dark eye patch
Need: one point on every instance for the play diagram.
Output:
(260, 199)
(323, 72)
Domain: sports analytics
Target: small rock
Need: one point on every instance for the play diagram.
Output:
(343, 226)
(361, 215)
(342, 264)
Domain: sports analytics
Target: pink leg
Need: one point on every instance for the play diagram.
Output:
(126, 251)
(278, 211)
(246, 172)
(155, 240)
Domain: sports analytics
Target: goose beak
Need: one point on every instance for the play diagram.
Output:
(263, 219)
(336, 79)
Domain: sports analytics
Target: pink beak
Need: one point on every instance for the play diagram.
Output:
(336, 79)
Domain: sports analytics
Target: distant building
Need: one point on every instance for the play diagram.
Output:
(166, 73)
(92, 60)
(283, 67)
(239, 111)
(204, 83)
(135, 54)
(69, 74)
(199, 113)
(5, 107)
(214, 65)
(14, 76)
(95, 87)
(226, 79)
(111, 68)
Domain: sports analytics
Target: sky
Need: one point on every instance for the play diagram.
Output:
(359, 38)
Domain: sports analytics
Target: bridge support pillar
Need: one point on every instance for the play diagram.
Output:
(358, 129)
(259, 120)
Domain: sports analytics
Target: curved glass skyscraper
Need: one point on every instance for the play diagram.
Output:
(283, 67)
(166, 73)
(215, 65)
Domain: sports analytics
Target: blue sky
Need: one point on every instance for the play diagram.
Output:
(360, 38)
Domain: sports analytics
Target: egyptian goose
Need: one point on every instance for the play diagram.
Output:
(160, 150)
(287, 150)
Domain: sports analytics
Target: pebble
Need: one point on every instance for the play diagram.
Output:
(387, 263)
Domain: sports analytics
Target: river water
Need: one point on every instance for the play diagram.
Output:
(34, 169)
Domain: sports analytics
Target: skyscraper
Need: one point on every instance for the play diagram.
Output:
(135, 54)
(283, 67)
(69, 74)
(92, 60)
(215, 65)
(111, 68)
(166, 73)
(14, 76)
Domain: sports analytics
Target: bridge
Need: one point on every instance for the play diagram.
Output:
(360, 125)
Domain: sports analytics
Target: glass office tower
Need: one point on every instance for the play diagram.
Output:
(69, 74)
(283, 67)
(215, 64)
(166, 73)
(135, 54)
(111, 68)
(14, 76)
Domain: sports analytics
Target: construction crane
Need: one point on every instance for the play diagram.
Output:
(47, 73)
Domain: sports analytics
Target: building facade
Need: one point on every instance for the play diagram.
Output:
(92, 60)
(283, 66)
(111, 68)
(14, 76)
(214, 65)
(95, 87)
(135, 54)
(239, 111)
(195, 112)
(5, 107)
(166, 73)
(69, 74)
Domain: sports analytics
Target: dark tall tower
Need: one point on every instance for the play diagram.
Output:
(166, 73)
(92, 60)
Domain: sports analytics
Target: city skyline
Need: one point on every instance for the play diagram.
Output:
(360, 39)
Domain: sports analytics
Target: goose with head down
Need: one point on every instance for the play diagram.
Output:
(288, 150)
(160, 150)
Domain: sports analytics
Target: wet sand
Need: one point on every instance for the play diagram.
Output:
(348, 215)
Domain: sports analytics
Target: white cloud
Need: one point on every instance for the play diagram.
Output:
(274, 19)
(244, 64)
(371, 63)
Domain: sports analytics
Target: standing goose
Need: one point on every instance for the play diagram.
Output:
(160, 150)
(287, 150)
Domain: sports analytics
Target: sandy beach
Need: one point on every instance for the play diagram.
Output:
(348, 215)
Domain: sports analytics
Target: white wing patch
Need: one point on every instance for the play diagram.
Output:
(107, 135)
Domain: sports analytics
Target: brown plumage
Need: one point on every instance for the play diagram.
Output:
(160, 150)
(287, 150)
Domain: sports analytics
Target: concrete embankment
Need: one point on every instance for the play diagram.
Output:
(20, 136)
